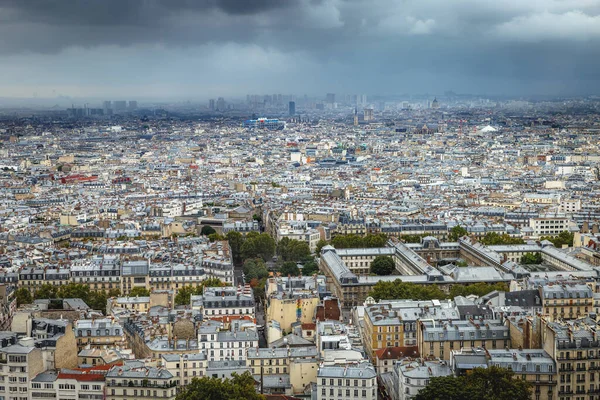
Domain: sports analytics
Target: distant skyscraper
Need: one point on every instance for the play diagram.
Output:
(211, 104)
(368, 114)
(221, 104)
(107, 106)
(363, 99)
(292, 108)
(355, 116)
(132, 105)
(330, 98)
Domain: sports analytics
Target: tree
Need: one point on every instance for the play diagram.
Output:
(493, 383)
(139, 292)
(310, 268)
(386, 290)
(213, 237)
(182, 298)
(412, 238)
(46, 291)
(531, 258)
(289, 268)
(320, 244)
(494, 238)
(23, 296)
(457, 232)
(239, 387)
(235, 240)
(258, 245)
(74, 291)
(383, 265)
(357, 241)
(292, 250)
(255, 268)
(207, 230)
(564, 238)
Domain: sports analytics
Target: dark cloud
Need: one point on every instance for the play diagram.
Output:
(361, 45)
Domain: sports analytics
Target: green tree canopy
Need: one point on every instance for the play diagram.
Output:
(358, 241)
(235, 240)
(46, 291)
(457, 232)
(255, 268)
(139, 292)
(531, 258)
(383, 265)
(412, 238)
(564, 238)
(310, 268)
(207, 230)
(23, 296)
(258, 245)
(494, 238)
(213, 237)
(239, 387)
(386, 290)
(289, 268)
(292, 250)
(493, 383)
(184, 294)
(320, 244)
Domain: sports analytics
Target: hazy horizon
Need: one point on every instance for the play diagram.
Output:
(159, 49)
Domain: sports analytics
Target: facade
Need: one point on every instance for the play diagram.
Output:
(410, 376)
(440, 339)
(137, 381)
(566, 301)
(353, 382)
(19, 364)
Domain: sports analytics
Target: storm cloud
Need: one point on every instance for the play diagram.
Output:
(197, 49)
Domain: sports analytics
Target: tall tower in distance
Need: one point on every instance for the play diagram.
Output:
(330, 98)
(355, 116)
(292, 108)
(368, 114)
(211, 104)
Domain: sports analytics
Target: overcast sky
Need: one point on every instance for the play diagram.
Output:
(198, 49)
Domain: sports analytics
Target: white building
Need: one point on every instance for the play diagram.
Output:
(354, 381)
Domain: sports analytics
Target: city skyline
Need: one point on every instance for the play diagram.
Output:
(223, 48)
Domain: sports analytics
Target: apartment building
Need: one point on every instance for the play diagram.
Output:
(395, 323)
(99, 333)
(566, 301)
(135, 380)
(185, 367)
(440, 339)
(575, 346)
(19, 364)
(549, 225)
(411, 375)
(225, 301)
(341, 382)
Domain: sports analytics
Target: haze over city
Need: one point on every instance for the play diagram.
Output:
(195, 50)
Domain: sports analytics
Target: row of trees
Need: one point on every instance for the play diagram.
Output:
(356, 241)
(493, 383)
(239, 387)
(494, 238)
(96, 299)
(293, 250)
(408, 290)
(182, 298)
(564, 238)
